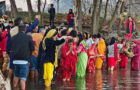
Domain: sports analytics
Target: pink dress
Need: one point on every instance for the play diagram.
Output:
(135, 62)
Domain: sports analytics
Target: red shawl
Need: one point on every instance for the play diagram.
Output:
(69, 16)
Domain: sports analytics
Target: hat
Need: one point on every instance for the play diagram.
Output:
(136, 42)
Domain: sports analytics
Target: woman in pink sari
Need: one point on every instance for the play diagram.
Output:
(130, 28)
(135, 62)
(68, 60)
(92, 53)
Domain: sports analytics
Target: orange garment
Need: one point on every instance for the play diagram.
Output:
(102, 51)
(37, 37)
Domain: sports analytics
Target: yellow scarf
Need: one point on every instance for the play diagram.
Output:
(50, 34)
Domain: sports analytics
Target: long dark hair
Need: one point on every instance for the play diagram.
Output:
(86, 37)
(113, 40)
(81, 37)
(71, 11)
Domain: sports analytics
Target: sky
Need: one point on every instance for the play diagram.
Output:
(23, 4)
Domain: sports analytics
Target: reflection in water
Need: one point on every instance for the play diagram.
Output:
(113, 79)
(98, 80)
(120, 79)
(49, 88)
(80, 83)
(135, 76)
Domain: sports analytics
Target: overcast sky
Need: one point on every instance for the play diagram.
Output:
(22, 3)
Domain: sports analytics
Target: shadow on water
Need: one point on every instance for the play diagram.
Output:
(120, 79)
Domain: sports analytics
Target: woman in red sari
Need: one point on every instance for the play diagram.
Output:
(135, 62)
(68, 60)
(123, 56)
(92, 53)
(130, 28)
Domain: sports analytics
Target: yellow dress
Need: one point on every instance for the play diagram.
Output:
(101, 49)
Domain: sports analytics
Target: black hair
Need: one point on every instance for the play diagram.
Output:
(22, 28)
(11, 22)
(64, 32)
(17, 21)
(53, 27)
(122, 40)
(81, 37)
(52, 5)
(70, 40)
(94, 36)
(98, 35)
(113, 40)
(86, 37)
(46, 25)
(71, 12)
(73, 33)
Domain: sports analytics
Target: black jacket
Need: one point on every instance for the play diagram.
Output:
(21, 46)
(50, 49)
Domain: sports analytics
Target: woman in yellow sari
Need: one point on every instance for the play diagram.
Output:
(102, 51)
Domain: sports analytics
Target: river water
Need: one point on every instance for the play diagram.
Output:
(120, 79)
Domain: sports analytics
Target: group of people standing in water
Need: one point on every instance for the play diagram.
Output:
(45, 51)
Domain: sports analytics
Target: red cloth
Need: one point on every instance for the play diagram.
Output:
(116, 52)
(3, 42)
(92, 51)
(135, 62)
(136, 42)
(124, 59)
(69, 16)
(68, 62)
(111, 62)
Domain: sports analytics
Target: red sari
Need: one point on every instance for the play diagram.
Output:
(124, 59)
(135, 62)
(68, 62)
(92, 51)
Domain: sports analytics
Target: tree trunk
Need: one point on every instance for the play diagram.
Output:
(121, 11)
(39, 5)
(94, 17)
(30, 10)
(104, 15)
(114, 15)
(78, 15)
(14, 8)
(105, 11)
(98, 15)
(43, 11)
(57, 6)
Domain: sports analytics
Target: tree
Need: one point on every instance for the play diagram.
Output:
(57, 6)
(114, 15)
(107, 1)
(94, 17)
(42, 15)
(14, 8)
(30, 10)
(78, 15)
(39, 5)
(105, 11)
(98, 16)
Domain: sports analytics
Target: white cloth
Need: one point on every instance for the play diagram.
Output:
(20, 62)
(89, 42)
